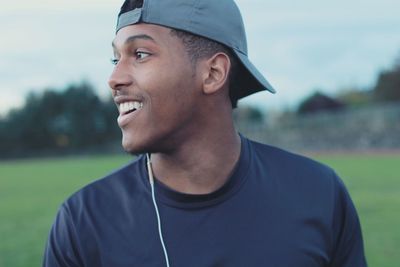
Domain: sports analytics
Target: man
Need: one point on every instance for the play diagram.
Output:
(199, 194)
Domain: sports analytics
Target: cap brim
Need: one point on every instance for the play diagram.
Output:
(253, 81)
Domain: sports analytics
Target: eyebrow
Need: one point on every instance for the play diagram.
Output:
(134, 38)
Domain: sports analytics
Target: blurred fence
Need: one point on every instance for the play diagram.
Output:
(375, 127)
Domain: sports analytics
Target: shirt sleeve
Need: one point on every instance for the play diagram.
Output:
(348, 249)
(62, 248)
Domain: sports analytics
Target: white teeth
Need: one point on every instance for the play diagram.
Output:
(129, 106)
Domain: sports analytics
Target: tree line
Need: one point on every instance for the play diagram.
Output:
(386, 89)
(59, 121)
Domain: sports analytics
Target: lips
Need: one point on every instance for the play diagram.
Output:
(128, 107)
(127, 111)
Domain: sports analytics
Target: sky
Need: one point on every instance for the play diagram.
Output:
(300, 46)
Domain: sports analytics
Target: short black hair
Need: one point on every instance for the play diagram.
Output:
(199, 47)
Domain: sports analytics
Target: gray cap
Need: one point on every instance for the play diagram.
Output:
(218, 20)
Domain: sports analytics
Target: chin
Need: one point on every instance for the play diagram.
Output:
(146, 142)
(132, 147)
(135, 146)
(134, 151)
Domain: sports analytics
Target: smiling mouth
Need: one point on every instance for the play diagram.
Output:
(129, 107)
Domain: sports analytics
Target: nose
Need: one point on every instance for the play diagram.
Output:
(120, 77)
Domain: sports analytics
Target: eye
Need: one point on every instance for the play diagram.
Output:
(114, 61)
(141, 54)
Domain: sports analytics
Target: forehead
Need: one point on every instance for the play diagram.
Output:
(156, 34)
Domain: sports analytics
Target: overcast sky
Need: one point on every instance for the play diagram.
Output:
(299, 46)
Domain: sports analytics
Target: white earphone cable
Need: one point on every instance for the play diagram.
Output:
(151, 179)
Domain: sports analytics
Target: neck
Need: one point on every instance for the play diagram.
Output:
(201, 164)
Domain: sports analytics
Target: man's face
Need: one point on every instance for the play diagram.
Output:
(155, 88)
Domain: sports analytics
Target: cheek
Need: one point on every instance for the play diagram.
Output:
(172, 90)
(171, 103)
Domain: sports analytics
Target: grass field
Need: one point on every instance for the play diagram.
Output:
(32, 190)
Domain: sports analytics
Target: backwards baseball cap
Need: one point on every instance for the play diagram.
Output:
(218, 20)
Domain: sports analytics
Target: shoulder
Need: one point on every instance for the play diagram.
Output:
(310, 191)
(91, 210)
(296, 176)
(115, 187)
(280, 161)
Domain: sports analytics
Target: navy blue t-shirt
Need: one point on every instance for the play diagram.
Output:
(276, 210)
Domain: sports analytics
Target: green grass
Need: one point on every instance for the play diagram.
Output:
(32, 190)
(30, 193)
(374, 184)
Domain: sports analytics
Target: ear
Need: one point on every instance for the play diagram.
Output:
(215, 72)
